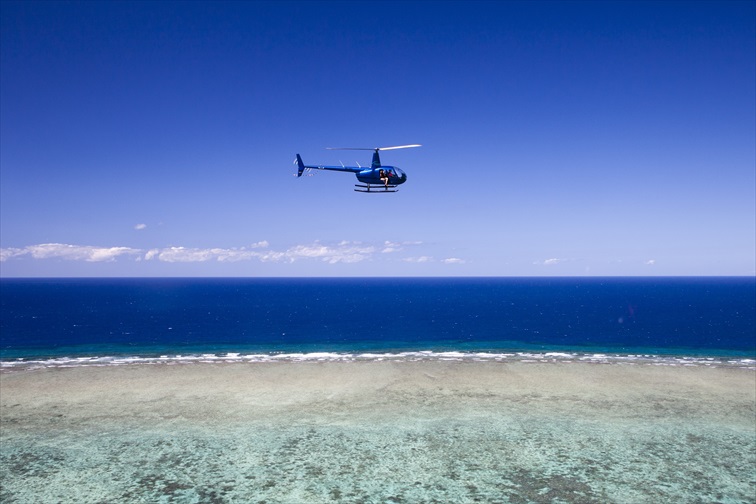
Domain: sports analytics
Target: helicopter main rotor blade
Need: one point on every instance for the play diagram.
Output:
(398, 147)
(374, 148)
(348, 148)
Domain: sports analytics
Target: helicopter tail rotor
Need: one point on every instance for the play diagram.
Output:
(300, 165)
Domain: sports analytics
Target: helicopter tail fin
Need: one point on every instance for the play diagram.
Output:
(300, 166)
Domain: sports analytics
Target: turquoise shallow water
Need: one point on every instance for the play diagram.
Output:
(504, 461)
(429, 432)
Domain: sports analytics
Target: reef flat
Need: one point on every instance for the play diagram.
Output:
(379, 431)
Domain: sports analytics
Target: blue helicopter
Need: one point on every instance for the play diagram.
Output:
(377, 178)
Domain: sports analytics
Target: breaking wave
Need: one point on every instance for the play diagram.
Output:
(411, 356)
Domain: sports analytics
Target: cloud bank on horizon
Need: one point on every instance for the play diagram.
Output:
(341, 252)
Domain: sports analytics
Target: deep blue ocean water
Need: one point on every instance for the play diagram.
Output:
(77, 318)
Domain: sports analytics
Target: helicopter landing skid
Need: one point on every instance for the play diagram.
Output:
(375, 188)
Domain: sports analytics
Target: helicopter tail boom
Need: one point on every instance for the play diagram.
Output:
(301, 167)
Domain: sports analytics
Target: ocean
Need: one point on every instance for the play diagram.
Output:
(368, 390)
(83, 319)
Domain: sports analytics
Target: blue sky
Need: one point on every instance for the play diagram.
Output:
(589, 138)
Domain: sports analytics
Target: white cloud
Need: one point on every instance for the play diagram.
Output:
(180, 254)
(550, 262)
(421, 259)
(346, 252)
(650, 262)
(183, 254)
(139, 227)
(69, 252)
(273, 256)
(78, 252)
(8, 253)
(343, 252)
(453, 260)
(310, 251)
(389, 247)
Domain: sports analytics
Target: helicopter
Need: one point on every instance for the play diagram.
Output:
(377, 178)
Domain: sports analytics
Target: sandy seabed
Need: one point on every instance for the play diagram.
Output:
(379, 432)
